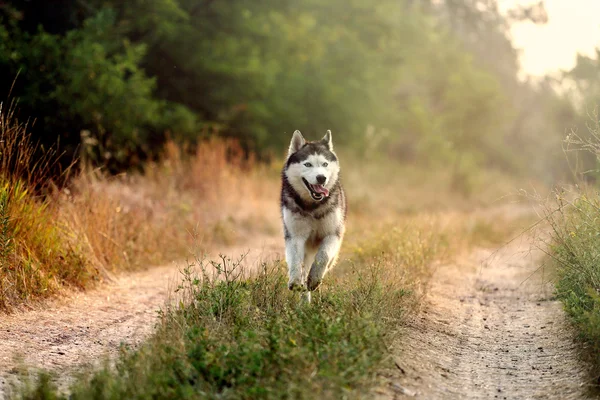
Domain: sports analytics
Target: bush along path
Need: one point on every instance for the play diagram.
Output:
(491, 329)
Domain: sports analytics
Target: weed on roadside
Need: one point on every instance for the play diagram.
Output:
(574, 219)
(575, 249)
(36, 255)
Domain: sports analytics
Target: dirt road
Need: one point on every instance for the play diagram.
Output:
(489, 330)
(85, 327)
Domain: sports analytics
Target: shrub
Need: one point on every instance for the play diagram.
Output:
(36, 254)
(575, 247)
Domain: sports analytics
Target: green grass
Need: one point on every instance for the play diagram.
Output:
(35, 255)
(576, 252)
(229, 337)
(248, 339)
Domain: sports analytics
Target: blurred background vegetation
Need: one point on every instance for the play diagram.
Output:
(428, 82)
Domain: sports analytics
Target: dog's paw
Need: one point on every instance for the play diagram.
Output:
(296, 285)
(312, 283)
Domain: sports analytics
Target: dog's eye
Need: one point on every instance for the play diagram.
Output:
(307, 164)
(325, 164)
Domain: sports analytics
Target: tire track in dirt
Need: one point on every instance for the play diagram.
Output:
(64, 334)
(490, 329)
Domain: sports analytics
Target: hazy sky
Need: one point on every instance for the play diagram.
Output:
(573, 26)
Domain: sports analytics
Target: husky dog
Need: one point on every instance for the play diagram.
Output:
(313, 208)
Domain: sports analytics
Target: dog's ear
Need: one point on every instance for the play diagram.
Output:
(328, 140)
(297, 143)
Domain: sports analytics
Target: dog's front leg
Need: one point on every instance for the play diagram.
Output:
(294, 255)
(325, 256)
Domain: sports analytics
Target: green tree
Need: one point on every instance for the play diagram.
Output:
(436, 81)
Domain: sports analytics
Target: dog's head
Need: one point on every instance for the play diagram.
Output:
(312, 168)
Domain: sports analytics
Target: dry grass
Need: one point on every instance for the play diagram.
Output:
(131, 221)
(36, 257)
(98, 224)
(407, 248)
(378, 187)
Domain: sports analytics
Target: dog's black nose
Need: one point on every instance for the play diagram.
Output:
(321, 179)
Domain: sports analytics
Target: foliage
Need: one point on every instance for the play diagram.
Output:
(585, 77)
(127, 75)
(92, 75)
(534, 113)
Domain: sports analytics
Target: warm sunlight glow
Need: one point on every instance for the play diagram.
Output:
(573, 27)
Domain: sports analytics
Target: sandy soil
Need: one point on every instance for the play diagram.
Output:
(81, 328)
(489, 330)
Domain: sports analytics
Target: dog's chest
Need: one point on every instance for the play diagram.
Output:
(310, 227)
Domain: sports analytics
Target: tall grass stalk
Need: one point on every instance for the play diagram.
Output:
(36, 257)
(574, 218)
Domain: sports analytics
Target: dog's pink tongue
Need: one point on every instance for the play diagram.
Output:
(321, 189)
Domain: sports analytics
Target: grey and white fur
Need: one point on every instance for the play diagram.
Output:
(313, 209)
